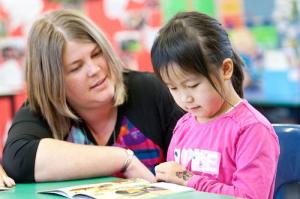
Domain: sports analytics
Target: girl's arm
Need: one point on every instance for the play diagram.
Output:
(5, 181)
(60, 160)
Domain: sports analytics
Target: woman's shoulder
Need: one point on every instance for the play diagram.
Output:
(26, 115)
(28, 123)
(138, 77)
(145, 84)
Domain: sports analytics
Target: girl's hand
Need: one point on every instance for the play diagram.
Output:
(172, 172)
(5, 181)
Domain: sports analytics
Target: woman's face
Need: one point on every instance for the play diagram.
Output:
(87, 80)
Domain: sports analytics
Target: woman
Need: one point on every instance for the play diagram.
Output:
(83, 109)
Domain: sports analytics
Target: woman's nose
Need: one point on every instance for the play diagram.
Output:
(92, 68)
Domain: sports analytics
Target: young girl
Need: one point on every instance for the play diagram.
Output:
(222, 144)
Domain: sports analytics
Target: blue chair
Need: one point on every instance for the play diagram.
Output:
(287, 184)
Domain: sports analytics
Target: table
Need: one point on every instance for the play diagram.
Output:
(30, 190)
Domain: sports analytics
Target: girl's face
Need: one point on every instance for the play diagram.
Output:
(86, 75)
(194, 93)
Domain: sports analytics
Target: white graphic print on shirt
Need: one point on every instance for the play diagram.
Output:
(200, 160)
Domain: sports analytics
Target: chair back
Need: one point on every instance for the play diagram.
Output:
(288, 169)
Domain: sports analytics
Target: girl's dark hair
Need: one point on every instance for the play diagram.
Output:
(196, 43)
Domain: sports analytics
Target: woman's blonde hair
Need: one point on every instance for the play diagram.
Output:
(44, 66)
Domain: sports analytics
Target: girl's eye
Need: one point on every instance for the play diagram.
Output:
(172, 88)
(193, 85)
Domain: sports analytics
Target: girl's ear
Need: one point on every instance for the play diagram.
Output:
(227, 69)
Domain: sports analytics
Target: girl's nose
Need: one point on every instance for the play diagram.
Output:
(186, 98)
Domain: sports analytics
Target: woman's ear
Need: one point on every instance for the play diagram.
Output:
(227, 69)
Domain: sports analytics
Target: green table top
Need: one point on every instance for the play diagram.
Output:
(31, 190)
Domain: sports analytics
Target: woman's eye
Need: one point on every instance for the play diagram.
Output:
(75, 68)
(96, 54)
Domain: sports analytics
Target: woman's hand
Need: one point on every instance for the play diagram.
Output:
(136, 169)
(172, 172)
(5, 181)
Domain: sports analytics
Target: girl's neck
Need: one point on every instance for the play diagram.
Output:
(230, 100)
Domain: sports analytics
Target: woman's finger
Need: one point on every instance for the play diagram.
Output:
(9, 182)
(2, 183)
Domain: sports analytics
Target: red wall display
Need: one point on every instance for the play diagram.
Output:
(130, 25)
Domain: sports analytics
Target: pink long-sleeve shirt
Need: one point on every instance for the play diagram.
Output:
(235, 154)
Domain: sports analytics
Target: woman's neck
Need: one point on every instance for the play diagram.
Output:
(101, 122)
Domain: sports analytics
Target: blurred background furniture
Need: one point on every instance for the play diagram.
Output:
(277, 96)
(288, 171)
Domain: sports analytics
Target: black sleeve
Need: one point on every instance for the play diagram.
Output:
(151, 107)
(22, 142)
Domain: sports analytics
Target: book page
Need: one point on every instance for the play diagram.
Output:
(4, 188)
(119, 189)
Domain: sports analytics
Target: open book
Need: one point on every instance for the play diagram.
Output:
(5, 188)
(120, 188)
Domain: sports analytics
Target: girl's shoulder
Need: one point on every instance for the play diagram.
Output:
(245, 114)
(245, 118)
(186, 121)
(187, 117)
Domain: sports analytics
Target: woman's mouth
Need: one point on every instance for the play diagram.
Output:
(98, 83)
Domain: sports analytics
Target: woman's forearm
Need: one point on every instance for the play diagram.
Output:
(60, 160)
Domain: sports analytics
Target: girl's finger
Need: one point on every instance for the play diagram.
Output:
(159, 177)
